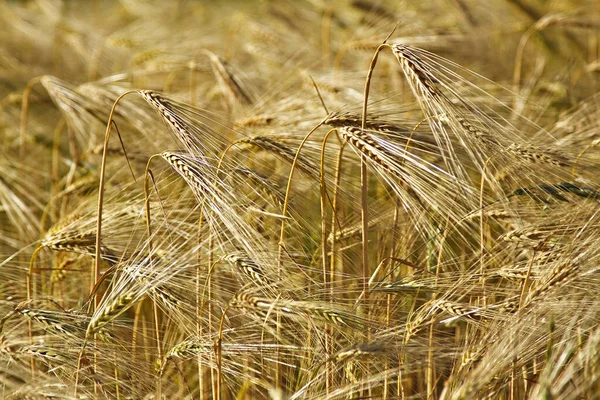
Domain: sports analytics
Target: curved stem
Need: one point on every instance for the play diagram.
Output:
(219, 351)
(289, 185)
(589, 146)
(24, 112)
(29, 298)
(481, 230)
(168, 85)
(364, 178)
(519, 56)
(96, 269)
(323, 197)
(148, 173)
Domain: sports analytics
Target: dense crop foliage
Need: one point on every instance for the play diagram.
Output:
(300, 200)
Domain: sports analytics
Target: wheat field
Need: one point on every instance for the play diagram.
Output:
(350, 199)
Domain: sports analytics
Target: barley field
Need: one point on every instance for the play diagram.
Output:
(349, 199)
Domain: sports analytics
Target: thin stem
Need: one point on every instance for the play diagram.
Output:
(148, 173)
(96, 269)
(364, 179)
(323, 197)
(24, 112)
